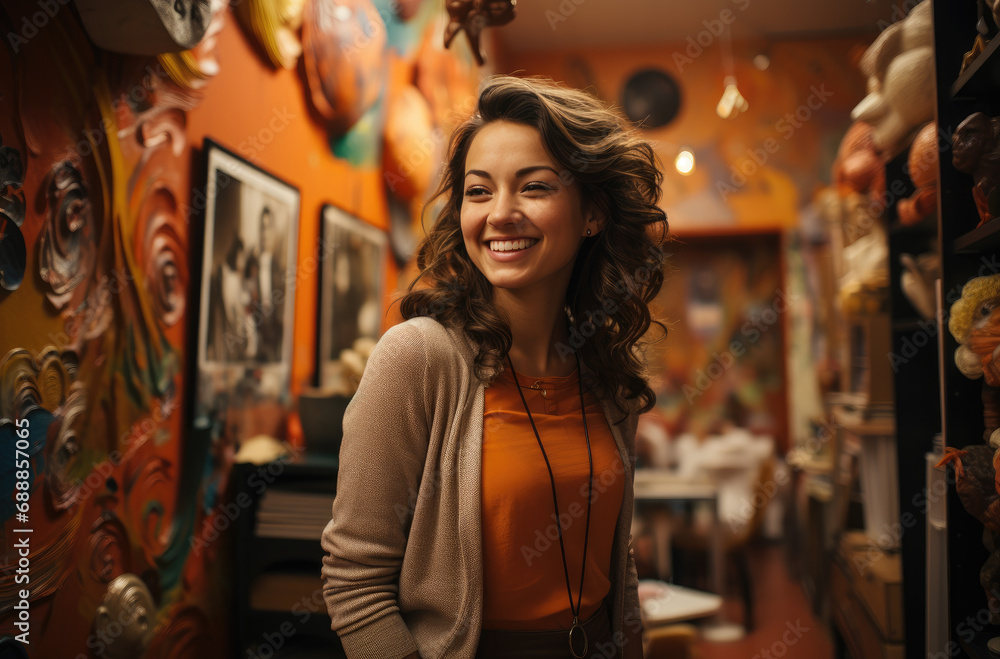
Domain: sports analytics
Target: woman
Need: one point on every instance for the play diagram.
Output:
(485, 488)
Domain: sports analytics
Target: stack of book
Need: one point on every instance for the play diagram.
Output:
(284, 513)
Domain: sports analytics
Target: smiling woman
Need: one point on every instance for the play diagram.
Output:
(522, 226)
(606, 178)
(485, 491)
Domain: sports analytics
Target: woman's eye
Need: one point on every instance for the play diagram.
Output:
(475, 192)
(537, 186)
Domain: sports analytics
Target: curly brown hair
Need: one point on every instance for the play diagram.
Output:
(617, 273)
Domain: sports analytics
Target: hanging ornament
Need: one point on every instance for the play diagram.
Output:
(475, 15)
(732, 101)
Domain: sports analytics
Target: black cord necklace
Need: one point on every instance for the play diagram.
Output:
(555, 501)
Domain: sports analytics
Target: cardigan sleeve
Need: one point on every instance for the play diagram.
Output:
(633, 647)
(633, 616)
(381, 463)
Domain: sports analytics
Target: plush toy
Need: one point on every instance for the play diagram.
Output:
(975, 484)
(858, 167)
(976, 151)
(922, 163)
(900, 70)
(975, 324)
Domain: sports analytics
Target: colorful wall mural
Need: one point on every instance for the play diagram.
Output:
(103, 473)
(93, 348)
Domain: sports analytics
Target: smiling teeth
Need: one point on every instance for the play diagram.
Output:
(511, 245)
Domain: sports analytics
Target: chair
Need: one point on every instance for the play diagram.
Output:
(670, 642)
(734, 542)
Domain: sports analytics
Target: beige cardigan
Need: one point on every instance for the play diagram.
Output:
(403, 570)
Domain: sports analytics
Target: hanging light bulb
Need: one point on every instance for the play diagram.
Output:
(684, 163)
(732, 101)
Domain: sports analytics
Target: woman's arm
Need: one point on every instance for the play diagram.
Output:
(381, 464)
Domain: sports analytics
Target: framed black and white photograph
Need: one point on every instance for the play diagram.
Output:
(351, 287)
(248, 279)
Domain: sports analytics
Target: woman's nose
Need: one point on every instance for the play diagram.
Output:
(505, 210)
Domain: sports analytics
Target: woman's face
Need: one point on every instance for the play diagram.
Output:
(521, 222)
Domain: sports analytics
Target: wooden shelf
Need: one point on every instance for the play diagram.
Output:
(981, 238)
(982, 76)
(934, 399)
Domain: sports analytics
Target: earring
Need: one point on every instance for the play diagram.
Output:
(588, 232)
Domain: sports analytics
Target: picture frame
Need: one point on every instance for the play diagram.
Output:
(247, 295)
(351, 289)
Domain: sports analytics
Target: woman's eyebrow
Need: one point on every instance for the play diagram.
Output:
(528, 170)
(518, 174)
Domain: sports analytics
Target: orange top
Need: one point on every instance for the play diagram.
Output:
(523, 575)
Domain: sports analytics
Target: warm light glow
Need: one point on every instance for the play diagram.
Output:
(732, 101)
(684, 162)
(761, 62)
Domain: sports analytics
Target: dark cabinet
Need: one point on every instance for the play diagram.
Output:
(281, 508)
(932, 396)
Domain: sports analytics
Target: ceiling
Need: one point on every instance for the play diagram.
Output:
(543, 25)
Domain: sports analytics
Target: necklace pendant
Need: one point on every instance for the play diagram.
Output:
(582, 632)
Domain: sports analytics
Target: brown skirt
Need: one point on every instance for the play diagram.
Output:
(504, 644)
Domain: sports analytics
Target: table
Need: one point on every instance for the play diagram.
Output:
(664, 603)
(664, 485)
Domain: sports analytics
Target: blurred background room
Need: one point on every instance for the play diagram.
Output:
(207, 208)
